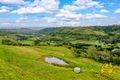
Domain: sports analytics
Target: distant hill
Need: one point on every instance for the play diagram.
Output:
(107, 29)
(96, 30)
(81, 34)
(30, 30)
(72, 30)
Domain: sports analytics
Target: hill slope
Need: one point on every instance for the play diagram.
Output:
(27, 63)
(73, 30)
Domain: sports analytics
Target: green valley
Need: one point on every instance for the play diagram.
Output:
(22, 55)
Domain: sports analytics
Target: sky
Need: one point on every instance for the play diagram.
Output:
(57, 13)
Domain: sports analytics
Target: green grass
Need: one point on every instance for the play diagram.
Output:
(27, 63)
(86, 42)
(29, 42)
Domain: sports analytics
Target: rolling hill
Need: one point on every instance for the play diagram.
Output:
(27, 63)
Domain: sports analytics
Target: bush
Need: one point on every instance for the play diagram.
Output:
(116, 53)
(116, 60)
(9, 42)
(37, 42)
(76, 52)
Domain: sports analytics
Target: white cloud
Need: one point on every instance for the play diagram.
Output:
(4, 9)
(29, 10)
(39, 6)
(23, 18)
(6, 23)
(95, 16)
(104, 11)
(71, 7)
(17, 21)
(67, 15)
(83, 4)
(117, 11)
(50, 19)
(51, 5)
(12, 1)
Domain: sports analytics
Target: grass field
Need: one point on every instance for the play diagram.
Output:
(27, 63)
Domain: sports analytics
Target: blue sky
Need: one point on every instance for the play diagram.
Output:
(56, 13)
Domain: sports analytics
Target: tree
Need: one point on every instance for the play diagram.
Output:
(92, 51)
(9, 42)
(37, 42)
(22, 37)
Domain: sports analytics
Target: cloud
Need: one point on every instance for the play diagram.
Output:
(67, 15)
(12, 1)
(17, 21)
(6, 23)
(95, 16)
(117, 11)
(29, 10)
(51, 5)
(50, 19)
(83, 4)
(38, 6)
(4, 9)
(71, 7)
(104, 11)
(79, 12)
(23, 18)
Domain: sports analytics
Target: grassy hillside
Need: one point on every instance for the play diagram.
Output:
(22, 55)
(108, 29)
(87, 35)
(73, 30)
(27, 63)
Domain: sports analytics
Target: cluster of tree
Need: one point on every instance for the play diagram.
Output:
(5, 32)
(107, 36)
(12, 42)
(21, 37)
(99, 55)
(108, 29)
(115, 56)
(54, 41)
